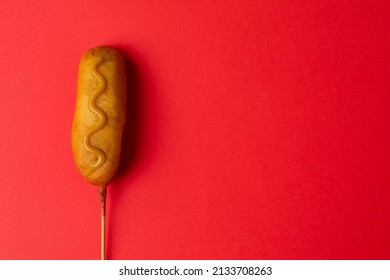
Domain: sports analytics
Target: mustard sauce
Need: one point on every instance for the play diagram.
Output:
(102, 118)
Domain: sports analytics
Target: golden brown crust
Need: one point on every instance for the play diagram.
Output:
(100, 114)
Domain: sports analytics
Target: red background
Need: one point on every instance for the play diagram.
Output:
(256, 130)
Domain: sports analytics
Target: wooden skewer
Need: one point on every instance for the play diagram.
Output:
(102, 197)
(103, 234)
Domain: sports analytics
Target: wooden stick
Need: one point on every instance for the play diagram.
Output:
(103, 241)
(102, 197)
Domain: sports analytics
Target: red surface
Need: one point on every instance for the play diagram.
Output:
(257, 130)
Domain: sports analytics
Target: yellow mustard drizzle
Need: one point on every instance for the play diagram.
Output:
(99, 154)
